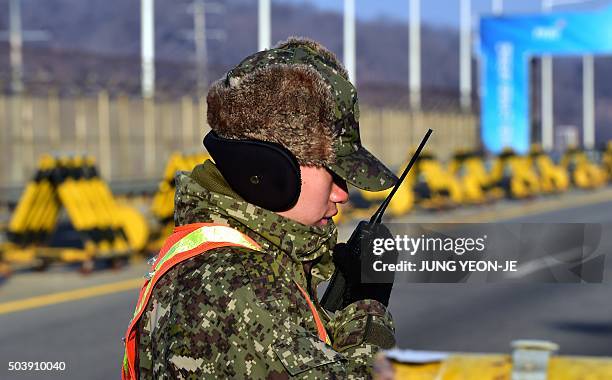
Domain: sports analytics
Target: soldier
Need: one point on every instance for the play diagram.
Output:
(233, 292)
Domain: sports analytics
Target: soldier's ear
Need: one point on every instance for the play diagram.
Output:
(262, 173)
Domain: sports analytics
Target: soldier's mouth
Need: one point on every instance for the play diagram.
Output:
(327, 219)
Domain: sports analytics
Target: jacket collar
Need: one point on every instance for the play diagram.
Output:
(204, 196)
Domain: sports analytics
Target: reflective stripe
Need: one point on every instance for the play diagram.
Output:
(315, 314)
(207, 234)
(194, 239)
(186, 242)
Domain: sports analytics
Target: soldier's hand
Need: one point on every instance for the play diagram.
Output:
(355, 260)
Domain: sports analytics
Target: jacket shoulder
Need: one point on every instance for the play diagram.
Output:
(213, 266)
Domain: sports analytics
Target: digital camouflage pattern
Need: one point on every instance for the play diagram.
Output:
(237, 313)
(353, 162)
(356, 164)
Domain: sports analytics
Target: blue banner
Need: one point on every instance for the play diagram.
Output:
(506, 44)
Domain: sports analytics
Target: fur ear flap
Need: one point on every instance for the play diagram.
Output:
(286, 104)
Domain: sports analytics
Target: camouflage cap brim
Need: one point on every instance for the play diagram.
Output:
(361, 169)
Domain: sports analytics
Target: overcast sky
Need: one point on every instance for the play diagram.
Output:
(442, 12)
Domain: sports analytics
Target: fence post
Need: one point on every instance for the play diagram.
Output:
(201, 121)
(123, 122)
(168, 143)
(417, 121)
(104, 149)
(27, 118)
(54, 122)
(187, 123)
(382, 133)
(149, 136)
(4, 137)
(16, 139)
(80, 124)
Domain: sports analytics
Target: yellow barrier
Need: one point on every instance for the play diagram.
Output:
(105, 228)
(499, 367)
(584, 173)
(477, 185)
(515, 175)
(468, 181)
(607, 160)
(553, 178)
(163, 200)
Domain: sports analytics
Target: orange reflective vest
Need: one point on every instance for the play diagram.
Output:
(186, 242)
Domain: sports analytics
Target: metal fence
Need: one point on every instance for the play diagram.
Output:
(393, 134)
(132, 138)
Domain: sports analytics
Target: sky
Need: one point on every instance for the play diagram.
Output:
(442, 12)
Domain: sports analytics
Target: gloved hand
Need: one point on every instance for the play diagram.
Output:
(355, 258)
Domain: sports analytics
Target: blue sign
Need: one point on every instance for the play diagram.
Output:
(506, 44)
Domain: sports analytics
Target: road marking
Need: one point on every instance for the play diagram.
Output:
(536, 208)
(72, 295)
(516, 210)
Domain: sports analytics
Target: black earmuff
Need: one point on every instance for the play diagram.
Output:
(263, 173)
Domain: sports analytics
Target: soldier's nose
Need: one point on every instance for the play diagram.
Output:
(339, 193)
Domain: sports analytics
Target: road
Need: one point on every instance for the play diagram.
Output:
(487, 317)
(83, 328)
(79, 327)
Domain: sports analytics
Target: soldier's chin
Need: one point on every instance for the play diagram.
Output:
(323, 222)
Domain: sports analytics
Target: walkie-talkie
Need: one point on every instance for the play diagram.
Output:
(334, 295)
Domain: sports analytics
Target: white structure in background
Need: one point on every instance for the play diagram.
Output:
(588, 102)
(588, 87)
(16, 36)
(349, 54)
(547, 92)
(199, 37)
(465, 54)
(15, 41)
(566, 136)
(588, 90)
(147, 47)
(264, 25)
(414, 57)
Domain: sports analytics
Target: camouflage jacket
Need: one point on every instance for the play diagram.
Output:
(236, 313)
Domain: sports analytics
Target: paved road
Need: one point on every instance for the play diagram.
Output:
(86, 335)
(486, 318)
(595, 213)
(86, 332)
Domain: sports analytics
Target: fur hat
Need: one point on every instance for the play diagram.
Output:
(296, 94)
